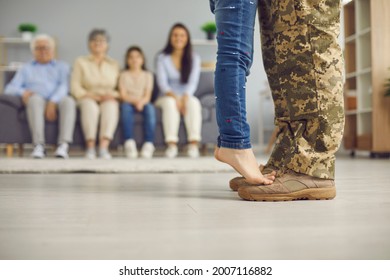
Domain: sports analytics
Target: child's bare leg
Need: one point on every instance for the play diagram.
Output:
(244, 162)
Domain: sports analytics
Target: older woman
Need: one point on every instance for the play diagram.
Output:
(93, 84)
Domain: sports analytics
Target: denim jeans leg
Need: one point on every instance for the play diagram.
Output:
(127, 119)
(149, 114)
(235, 21)
(212, 5)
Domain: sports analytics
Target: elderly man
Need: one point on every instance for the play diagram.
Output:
(43, 86)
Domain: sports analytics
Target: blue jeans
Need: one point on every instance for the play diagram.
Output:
(127, 117)
(235, 21)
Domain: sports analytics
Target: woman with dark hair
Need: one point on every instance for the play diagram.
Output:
(178, 71)
(135, 87)
(93, 84)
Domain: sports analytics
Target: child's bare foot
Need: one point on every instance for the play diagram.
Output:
(244, 162)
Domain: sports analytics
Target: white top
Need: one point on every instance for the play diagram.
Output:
(168, 76)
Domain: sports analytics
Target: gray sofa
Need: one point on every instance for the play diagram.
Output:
(14, 128)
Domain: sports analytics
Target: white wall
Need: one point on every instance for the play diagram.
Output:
(142, 22)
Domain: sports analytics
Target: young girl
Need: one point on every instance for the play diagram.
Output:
(135, 87)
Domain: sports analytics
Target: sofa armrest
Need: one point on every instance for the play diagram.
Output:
(13, 101)
(206, 84)
(208, 100)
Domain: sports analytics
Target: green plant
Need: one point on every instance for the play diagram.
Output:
(27, 27)
(209, 27)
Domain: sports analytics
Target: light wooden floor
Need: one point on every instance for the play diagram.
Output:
(191, 216)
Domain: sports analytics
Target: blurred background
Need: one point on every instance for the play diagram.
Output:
(144, 23)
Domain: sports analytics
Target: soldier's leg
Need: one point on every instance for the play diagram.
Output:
(309, 68)
(267, 16)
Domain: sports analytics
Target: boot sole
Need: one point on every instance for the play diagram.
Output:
(308, 194)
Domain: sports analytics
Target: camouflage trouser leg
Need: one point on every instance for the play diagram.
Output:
(304, 64)
(283, 145)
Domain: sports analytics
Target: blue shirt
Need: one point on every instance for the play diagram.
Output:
(50, 80)
(169, 78)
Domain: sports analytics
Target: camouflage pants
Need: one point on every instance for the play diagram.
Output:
(304, 65)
